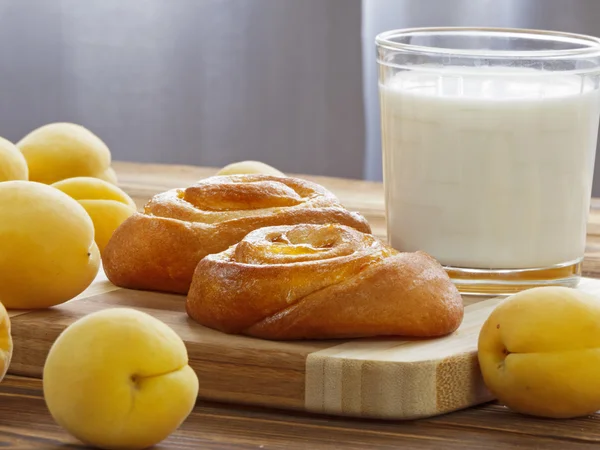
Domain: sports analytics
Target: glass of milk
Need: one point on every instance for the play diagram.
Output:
(489, 141)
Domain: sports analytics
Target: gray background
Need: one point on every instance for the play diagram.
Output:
(191, 81)
(209, 82)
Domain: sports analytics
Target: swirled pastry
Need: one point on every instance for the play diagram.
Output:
(159, 249)
(322, 281)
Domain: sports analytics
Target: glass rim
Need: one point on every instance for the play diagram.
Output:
(589, 45)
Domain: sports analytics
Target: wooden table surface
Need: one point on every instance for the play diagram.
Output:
(26, 424)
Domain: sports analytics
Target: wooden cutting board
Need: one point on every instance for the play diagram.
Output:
(372, 378)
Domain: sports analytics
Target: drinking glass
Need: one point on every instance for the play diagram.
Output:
(489, 142)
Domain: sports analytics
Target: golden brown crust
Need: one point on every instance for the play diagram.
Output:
(319, 282)
(160, 248)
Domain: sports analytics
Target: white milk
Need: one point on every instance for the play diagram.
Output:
(490, 174)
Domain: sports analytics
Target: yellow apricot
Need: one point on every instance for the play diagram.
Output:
(12, 162)
(119, 379)
(250, 167)
(6, 345)
(64, 150)
(109, 175)
(539, 352)
(107, 205)
(47, 249)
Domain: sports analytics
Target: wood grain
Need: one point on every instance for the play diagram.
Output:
(318, 376)
(400, 379)
(26, 424)
(388, 378)
(231, 368)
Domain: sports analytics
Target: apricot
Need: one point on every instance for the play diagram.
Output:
(250, 167)
(12, 163)
(107, 205)
(64, 150)
(539, 352)
(47, 249)
(119, 379)
(109, 175)
(6, 345)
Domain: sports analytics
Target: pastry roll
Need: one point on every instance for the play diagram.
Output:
(322, 281)
(159, 248)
